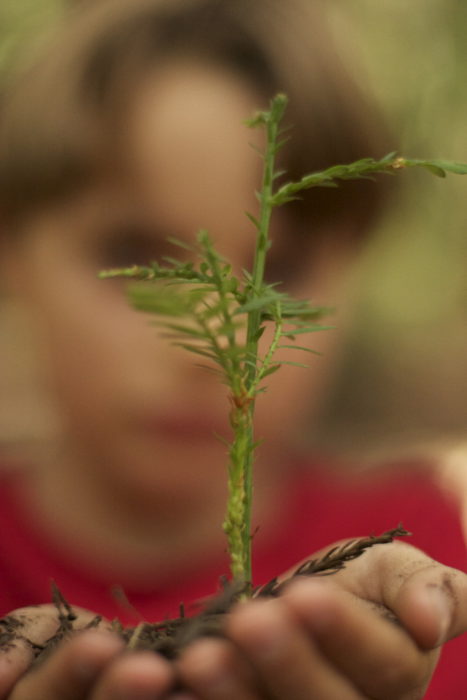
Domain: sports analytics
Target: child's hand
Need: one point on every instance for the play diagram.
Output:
(92, 666)
(371, 631)
(324, 638)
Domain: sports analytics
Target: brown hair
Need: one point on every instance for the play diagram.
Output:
(55, 118)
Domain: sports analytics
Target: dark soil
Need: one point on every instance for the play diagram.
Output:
(169, 637)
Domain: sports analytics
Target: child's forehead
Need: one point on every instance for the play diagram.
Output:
(183, 138)
(193, 109)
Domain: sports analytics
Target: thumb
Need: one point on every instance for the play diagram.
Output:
(432, 604)
(428, 598)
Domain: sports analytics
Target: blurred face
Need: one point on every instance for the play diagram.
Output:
(139, 413)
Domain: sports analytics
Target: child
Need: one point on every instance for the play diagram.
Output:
(128, 129)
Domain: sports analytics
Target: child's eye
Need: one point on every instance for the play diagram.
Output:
(277, 270)
(285, 266)
(131, 245)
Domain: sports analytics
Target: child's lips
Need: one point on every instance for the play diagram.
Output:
(191, 427)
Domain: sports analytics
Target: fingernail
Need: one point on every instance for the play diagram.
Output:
(220, 683)
(96, 649)
(267, 632)
(143, 675)
(209, 671)
(440, 602)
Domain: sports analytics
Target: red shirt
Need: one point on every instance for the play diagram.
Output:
(315, 512)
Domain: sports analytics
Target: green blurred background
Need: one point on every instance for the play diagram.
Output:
(404, 375)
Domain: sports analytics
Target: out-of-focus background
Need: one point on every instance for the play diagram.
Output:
(404, 375)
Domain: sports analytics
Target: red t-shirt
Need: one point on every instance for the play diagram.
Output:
(316, 510)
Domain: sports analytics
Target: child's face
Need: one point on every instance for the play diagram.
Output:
(138, 410)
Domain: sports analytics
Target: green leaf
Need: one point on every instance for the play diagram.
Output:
(250, 363)
(278, 174)
(434, 169)
(293, 364)
(229, 327)
(257, 120)
(280, 144)
(271, 370)
(261, 302)
(278, 106)
(158, 300)
(283, 198)
(450, 166)
(185, 330)
(307, 329)
(253, 219)
(260, 332)
(303, 310)
(436, 166)
(222, 439)
(180, 244)
(197, 350)
(390, 156)
(298, 347)
(172, 261)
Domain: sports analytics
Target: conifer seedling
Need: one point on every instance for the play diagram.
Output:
(208, 310)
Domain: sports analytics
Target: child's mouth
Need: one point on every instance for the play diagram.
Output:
(190, 427)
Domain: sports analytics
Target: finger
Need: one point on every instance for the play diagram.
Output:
(378, 657)
(214, 670)
(431, 603)
(428, 598)
(25, 631)
(135, 676)
(39, 623)
(71, 670)
(22, 633)
(35, 623)
(286, 660)
(14, 662)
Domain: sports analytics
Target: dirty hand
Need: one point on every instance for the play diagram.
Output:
(373, 630)
(91, 666)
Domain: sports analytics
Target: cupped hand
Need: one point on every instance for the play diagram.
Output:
(92, 665)
(371, 631)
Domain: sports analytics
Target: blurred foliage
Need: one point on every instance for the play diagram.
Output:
(416, 60)
(20, 22)
(404, 376)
